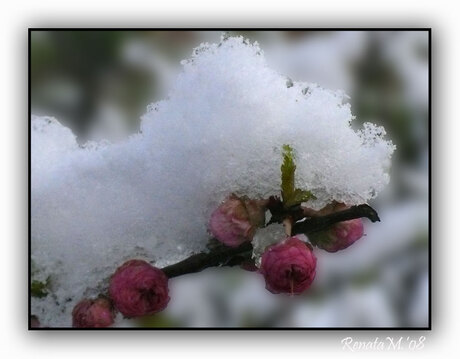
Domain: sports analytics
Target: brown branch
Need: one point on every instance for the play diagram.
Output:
(316, 224)
(217, 257)
(221, 255)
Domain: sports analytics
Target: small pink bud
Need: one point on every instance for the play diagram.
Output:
(236, 220)
(137, 288)
(90, 313)
(340, 236)
(288, 267)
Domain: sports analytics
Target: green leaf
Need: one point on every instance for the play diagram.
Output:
(38, 289)
(287, 173)
(291, 195)
(300, 196)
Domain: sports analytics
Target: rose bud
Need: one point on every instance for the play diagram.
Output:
(90, 313)
(339, 236)
(235, 221)
(288, 267)
(137, 288)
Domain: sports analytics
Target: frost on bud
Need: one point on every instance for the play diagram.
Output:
(288, 267)
(137, 288)
(90, 313)
(339, 236)
(235, 221)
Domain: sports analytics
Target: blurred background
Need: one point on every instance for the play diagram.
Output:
(98, 83)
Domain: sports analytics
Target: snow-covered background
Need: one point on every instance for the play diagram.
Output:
(97, 86)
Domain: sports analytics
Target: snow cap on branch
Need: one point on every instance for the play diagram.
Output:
(220, 131)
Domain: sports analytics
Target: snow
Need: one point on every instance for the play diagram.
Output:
(220, 130)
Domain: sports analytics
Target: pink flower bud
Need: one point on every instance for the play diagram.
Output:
(288, 267)
(90, 313)
(236, 220)
(340, 236)
(138, 289)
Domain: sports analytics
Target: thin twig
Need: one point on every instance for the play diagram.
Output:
(221, 255)
(217, 257)
(316, 224)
